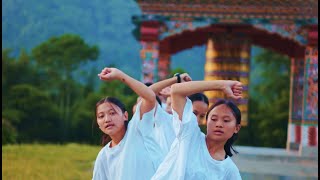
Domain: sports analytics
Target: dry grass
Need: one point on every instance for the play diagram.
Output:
(35, 161)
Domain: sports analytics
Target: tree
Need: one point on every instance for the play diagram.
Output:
(59, 57)
(269, 110)
(36, 114)
(9, 133)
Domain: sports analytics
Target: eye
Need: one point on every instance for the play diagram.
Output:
(100, 116)
(112, 113)
(213, 119)
(195, 113)
(202, 116)
(226, 120)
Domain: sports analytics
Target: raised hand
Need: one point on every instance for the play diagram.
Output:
(233, 89)
(108, 74)
(185, 77)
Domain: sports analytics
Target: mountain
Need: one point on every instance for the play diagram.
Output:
(25, 24)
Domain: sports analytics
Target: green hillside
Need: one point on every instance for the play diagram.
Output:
(26, 24)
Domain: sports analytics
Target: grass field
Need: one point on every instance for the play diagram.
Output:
(38, 161)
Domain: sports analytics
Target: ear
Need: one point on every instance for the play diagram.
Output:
(125, 114)
(237, 129)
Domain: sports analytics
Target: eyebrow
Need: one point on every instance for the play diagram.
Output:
(107, 111)
(222, 116)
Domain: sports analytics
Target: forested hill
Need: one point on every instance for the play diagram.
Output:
(106, 23)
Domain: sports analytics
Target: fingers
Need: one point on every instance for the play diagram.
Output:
(237, 91)
(187, 78)
(105, 73)
(235, 96)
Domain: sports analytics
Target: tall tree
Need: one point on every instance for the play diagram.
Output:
(269, 110)
(59, 57)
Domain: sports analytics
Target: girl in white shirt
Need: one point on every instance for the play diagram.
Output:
(163, 123)
(163, 126)
(194, 155)
(132, 152)
(200, 104)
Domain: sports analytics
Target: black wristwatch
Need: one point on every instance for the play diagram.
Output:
(178, 77)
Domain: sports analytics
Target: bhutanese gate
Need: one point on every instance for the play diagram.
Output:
(229, 28)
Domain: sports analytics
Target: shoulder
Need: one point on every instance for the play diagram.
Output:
(100, 165)
(232, 170)
(187, 115)
(102, 153)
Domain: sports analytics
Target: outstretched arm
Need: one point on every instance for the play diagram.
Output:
(147, 95)
(179, 92)
(158, 86)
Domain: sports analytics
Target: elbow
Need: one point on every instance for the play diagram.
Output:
(152, 98)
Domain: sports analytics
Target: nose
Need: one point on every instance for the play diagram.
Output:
(219, 123)
(107, 118)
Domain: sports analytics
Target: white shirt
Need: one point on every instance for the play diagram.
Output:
(163, 129)
(189, 158)
(137, 156)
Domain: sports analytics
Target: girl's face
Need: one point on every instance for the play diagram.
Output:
(221, 124)
(110, 118)
(200, 109)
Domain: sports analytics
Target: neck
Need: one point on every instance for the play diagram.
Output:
(216, 149)
(116, 138)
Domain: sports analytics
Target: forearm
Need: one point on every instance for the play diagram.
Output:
(192, 87)
(157, 87)
(180, 91)
(139, 88)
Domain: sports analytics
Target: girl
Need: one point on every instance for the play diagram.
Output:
(200, 105)
(163, 124)
(132, 152)
(194, 155)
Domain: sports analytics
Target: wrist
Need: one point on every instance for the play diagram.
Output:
(122, 77)
(177, 75)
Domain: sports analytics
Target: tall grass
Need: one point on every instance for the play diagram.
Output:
(38, 161)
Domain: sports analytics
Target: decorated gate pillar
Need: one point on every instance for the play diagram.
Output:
(227, 57)
(303, 117)
(309, 131)
(149, 52)
(163, 65)
(296, 100)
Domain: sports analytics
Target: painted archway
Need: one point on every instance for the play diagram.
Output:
(229, 28)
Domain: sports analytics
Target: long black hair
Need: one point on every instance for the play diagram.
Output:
(237, 114)
(105, 138)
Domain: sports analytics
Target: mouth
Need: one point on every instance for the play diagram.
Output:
(108, 126)
(218, 132)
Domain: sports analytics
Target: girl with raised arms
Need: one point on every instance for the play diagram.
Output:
(132, 152)
(194, 155)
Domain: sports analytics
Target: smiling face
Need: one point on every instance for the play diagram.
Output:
(221, 123)
(111, 119)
